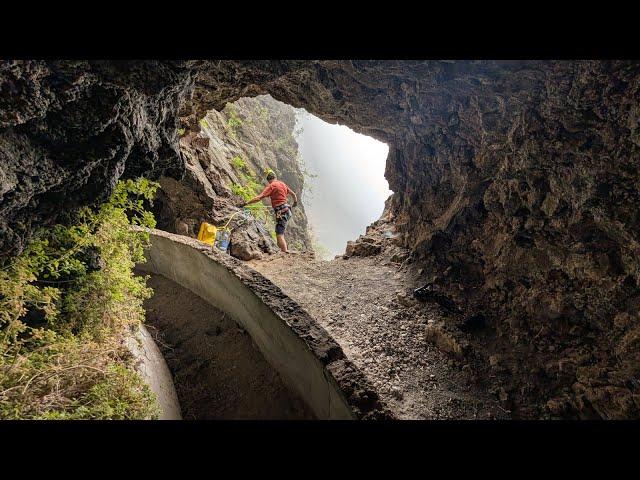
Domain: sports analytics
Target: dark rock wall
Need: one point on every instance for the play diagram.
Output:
(516, 186)
(68, 130)
(527, 212)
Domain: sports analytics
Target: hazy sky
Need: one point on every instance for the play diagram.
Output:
(349, 191)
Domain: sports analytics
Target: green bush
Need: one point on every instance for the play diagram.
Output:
(264, 114)
(241, 166)
(247, 192)
(66, 304)
(234, 121)
(120, 395)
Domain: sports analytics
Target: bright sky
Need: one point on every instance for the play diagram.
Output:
(349, 191)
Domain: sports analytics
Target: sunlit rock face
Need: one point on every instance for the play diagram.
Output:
(235, 146)
(516, 186)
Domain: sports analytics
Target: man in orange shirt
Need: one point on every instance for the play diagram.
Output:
(277, 191)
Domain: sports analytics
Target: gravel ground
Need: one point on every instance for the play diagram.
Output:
(365, 303)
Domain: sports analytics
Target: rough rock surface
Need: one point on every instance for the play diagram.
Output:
(70, 129)
(250, 241)
(366, 247)
(516, 187)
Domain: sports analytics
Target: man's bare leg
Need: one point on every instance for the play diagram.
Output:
(282, 243)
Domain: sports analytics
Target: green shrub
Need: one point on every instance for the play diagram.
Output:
(234, 121)
(240, 165)
(119, 395)
(264, 114)
(246, 191)
(63, 316)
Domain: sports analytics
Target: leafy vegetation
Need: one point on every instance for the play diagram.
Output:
(264, 114)
(234, 121)
(240, 165)
(247, 192)
(204, 123)
(66, 305)
(181, 131)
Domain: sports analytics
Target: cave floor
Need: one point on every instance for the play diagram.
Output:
(360, 302)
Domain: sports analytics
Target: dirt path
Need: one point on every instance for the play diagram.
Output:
(356, 300)
(217, 370)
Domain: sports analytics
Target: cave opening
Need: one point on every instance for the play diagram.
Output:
(345, 188)
(337, 174)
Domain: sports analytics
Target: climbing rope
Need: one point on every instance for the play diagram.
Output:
(246, 213)
(230, 218)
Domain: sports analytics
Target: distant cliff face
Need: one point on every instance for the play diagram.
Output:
(225, 164)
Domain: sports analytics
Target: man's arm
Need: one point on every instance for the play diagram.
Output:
(265, 193)
(254, 200)
(295, 197)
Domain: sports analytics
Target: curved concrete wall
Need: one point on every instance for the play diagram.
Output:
(155, 372)
(309, 361)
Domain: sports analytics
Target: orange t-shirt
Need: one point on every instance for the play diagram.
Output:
(277, 191)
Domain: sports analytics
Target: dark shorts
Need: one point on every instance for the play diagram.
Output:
(282, 217)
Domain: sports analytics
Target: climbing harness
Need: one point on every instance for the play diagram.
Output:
(283, 210)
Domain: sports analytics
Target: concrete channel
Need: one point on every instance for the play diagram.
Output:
(310, 363)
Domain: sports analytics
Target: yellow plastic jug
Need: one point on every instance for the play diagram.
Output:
(207, 233)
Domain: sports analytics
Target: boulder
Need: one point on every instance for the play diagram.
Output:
(250, 240)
